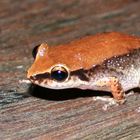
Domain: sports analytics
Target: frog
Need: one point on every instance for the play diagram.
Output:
(108, 61)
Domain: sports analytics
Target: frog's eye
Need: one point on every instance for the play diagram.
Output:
(35, 50)
(59, 73)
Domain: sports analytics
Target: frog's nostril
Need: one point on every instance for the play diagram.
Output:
(33, 78)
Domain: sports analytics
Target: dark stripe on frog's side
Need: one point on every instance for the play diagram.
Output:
(81, 74)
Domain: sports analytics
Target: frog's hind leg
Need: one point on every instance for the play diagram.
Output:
(115, 87)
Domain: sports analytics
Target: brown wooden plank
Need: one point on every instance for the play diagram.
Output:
(65, 114)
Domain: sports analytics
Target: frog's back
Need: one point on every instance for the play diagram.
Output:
(93, 50)
(85, 52)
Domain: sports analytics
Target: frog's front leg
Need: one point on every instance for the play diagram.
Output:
(113, 84)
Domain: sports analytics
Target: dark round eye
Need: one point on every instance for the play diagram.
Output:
(35, 50)
(59, 73)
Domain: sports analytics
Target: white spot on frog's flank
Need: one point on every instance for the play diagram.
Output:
(128, 55)
(93, 66)
(41, 52)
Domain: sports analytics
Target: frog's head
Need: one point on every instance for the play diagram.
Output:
(51, 71)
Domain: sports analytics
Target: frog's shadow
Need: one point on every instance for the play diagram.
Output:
(64, 94)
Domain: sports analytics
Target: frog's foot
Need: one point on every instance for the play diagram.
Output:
(24, 83)
(117, 90)
(115, 87)
(109, 102)
(23, 86)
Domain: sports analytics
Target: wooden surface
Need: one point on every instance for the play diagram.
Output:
(46, 114)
